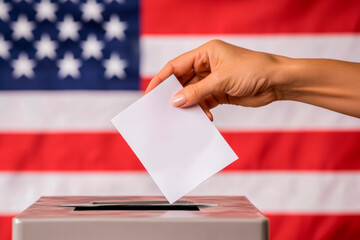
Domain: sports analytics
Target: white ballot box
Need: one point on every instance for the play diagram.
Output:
(130, 218)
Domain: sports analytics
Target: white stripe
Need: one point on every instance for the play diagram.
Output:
(283, 115)
(312, 192)
(92, 111)
(62, 110)
(157, 50)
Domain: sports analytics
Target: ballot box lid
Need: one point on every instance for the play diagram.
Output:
(196, 207)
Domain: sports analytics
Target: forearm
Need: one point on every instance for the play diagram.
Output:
(331, 84)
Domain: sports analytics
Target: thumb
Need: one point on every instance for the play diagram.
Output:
(193, 93)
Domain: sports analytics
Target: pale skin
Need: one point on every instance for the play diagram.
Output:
(220, 73)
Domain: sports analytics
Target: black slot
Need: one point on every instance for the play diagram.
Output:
(175, 207)
(142, 202)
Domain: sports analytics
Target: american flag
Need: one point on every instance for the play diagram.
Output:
(68, 67)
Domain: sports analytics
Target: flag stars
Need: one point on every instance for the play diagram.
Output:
(69, 29)
(69, 66)
(4, 10)
(115, 67)
(4, 48)
(92, 11)
(45, 47)
(92, 47)
(115, 28)
(22, 28)
(23, 66)
(45, 10)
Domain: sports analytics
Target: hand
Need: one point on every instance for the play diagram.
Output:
(221, 73)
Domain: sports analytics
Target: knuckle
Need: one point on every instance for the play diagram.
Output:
(214, 42)
(172, 66)
(193, 92)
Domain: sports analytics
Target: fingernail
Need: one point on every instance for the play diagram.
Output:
(178, 100)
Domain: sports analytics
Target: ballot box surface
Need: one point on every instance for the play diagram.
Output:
(115, 218)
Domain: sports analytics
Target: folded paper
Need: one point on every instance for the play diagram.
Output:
(180, 148)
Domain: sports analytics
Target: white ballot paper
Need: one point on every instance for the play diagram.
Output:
(180, 148)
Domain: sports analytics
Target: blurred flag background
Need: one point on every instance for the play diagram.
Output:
(68, 67)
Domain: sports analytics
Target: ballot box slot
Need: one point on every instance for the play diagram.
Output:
(133, 207)
(143, 202)
(139, 206)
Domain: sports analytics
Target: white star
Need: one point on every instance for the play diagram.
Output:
(22, 28)
(115, 66)
(91, 47)
(115, 28)
(23, 66)
(69, 29)
(118, 1)
(4, 48)
(45, 10)
(4, 10)
(69, 66)
(92, 10)
(45, 47)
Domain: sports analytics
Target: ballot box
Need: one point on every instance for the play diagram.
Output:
(130, 218)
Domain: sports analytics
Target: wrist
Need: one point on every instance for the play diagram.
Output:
(285, 78)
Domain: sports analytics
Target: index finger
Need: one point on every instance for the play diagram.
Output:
(178, 66)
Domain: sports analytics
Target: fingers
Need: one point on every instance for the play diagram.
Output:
(207, 112)
(187, 77)
(209, 115)
(193, 93)
(205, 106)
(210, 101)
(178, 66)
(193, 80)
(164, 73)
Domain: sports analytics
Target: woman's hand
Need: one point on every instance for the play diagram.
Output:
(221, 73)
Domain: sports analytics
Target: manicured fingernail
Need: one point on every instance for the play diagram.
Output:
(178, 100)
(209, 116)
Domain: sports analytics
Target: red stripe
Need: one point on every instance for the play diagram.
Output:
(323, 150)
(256, 16)
(144, 82)
(282, 227)
(5, 227)
(300, 227)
